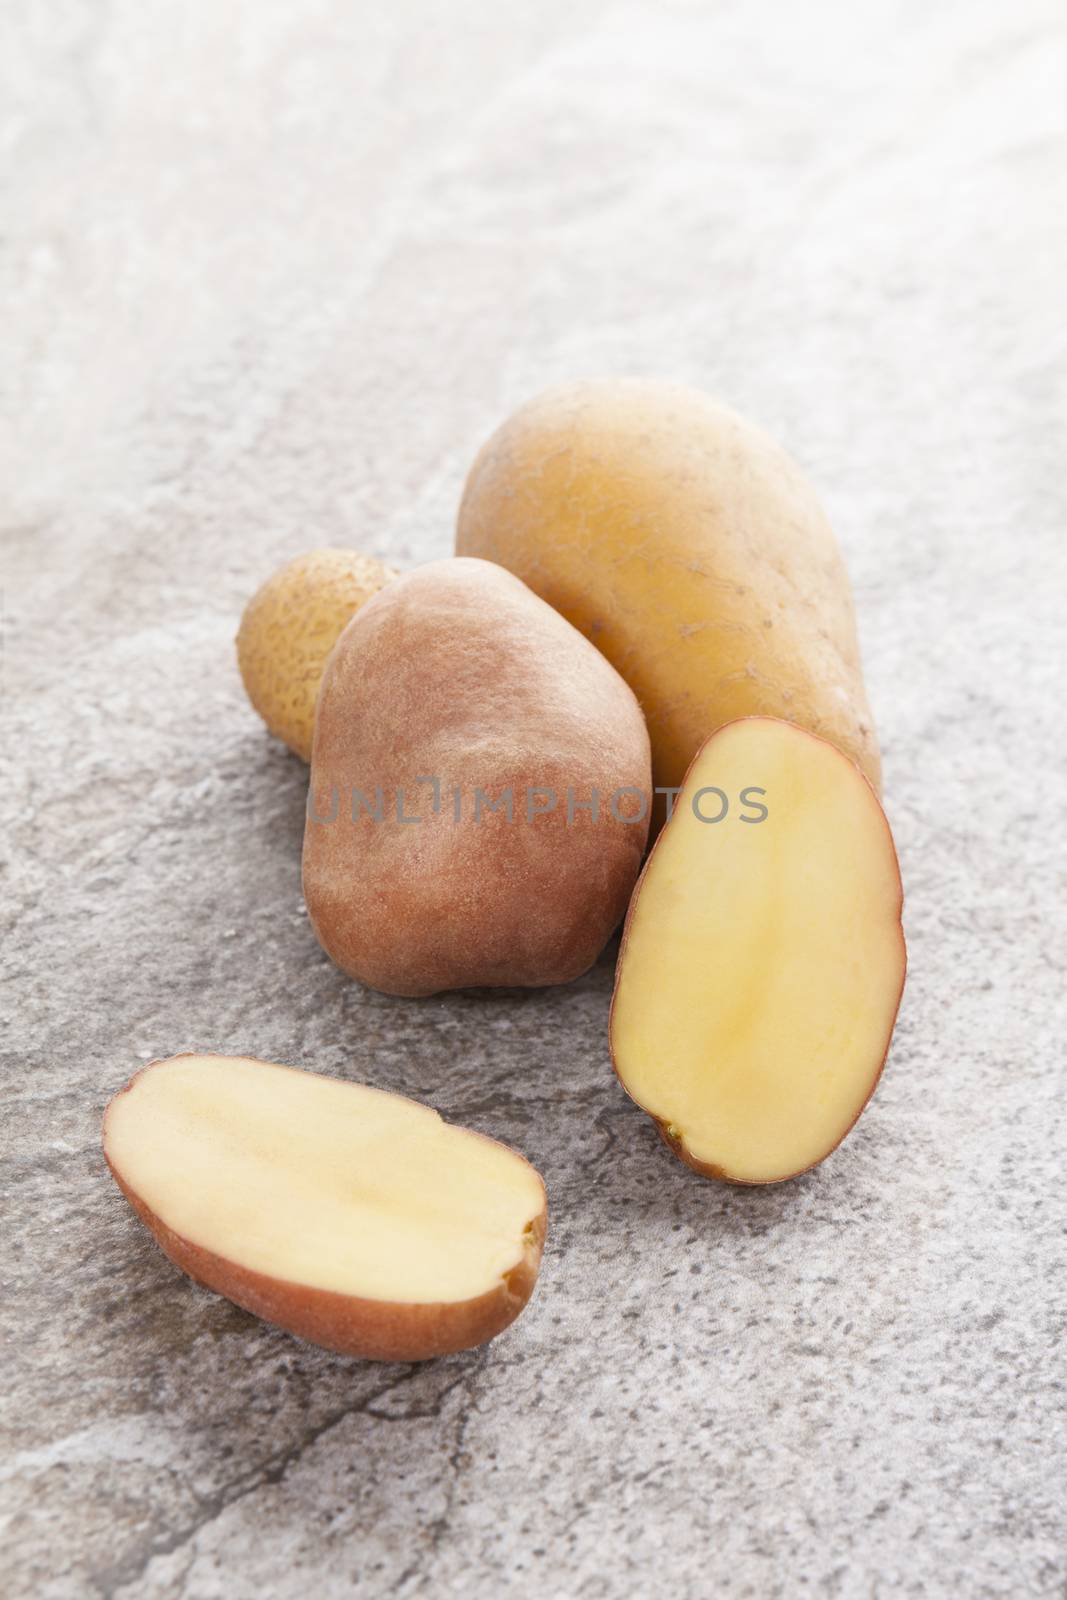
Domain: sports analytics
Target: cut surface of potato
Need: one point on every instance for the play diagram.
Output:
(355, 1218)
(763, 958)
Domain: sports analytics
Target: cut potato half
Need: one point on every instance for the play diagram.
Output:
(354, 1218)
(763, 958)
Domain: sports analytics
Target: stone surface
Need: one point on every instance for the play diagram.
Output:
(271, 274)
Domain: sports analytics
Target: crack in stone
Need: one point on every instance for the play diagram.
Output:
(132, 1568)
(441, 1525)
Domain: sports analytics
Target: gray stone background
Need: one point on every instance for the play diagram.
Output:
(270, 275)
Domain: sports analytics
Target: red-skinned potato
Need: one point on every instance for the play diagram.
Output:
(763, 959)
(356, 1219)
(452, 689)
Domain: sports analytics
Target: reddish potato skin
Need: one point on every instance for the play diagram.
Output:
(371, 1330)
(675, 1145)
(457, 670)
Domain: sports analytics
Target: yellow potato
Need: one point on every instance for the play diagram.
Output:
(763, 958)
(289, 628)
(689, 548)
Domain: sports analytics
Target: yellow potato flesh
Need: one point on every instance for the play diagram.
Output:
(322, 1183)
(763, 961)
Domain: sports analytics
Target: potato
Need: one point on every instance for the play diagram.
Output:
(288, 629)
(689, 548)
(353, 1218)
(453, 692)
(763, 958)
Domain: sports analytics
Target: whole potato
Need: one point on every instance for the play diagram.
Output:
(450, 691)
(689, 548)
(288, 629)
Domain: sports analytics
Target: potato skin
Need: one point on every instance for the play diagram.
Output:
(373, 1330)
(458, 671)
(288, 629)
(676, 1146)
(689, 548)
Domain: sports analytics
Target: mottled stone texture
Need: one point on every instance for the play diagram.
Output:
(271, 273)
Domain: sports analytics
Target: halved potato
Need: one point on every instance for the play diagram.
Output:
(354, 1218)
(763, 957)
